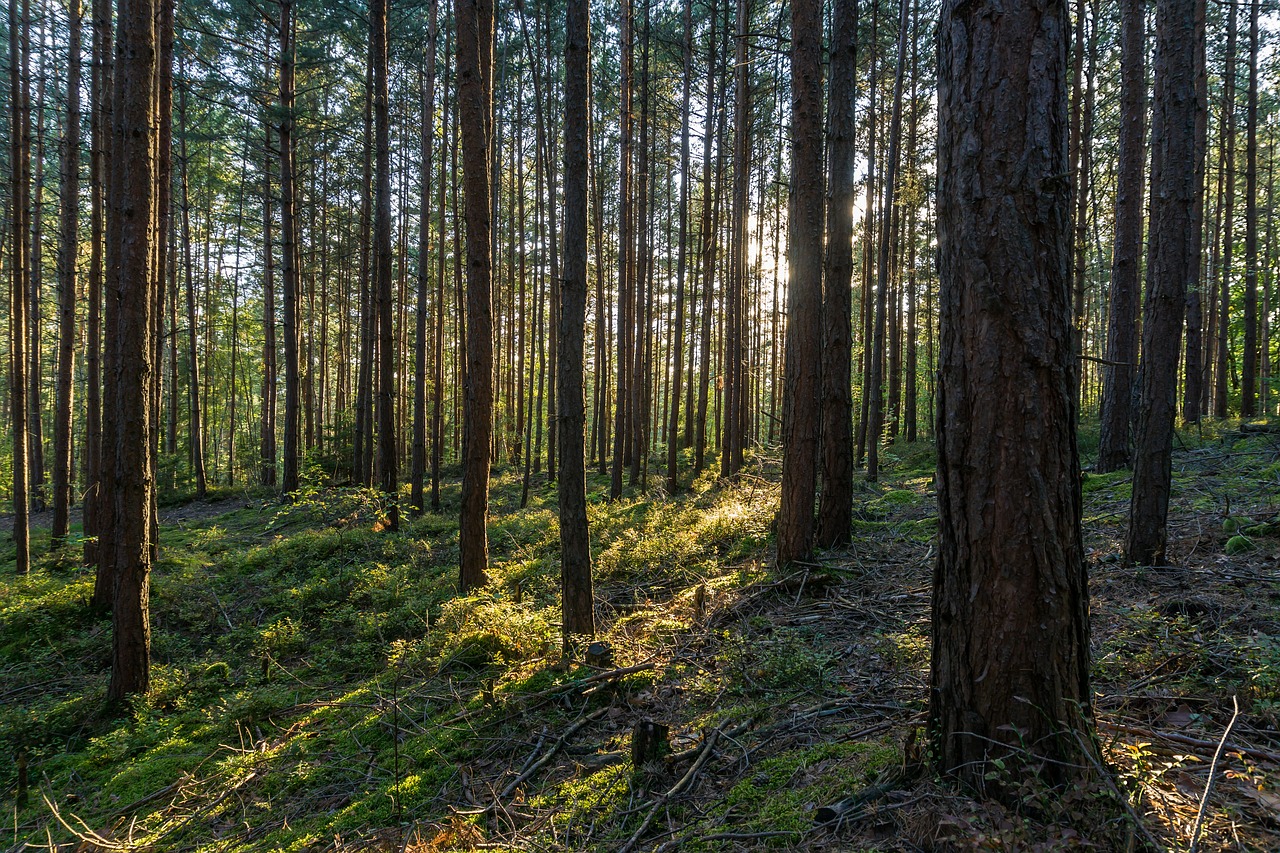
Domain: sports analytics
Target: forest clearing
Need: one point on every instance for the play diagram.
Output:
(319, 686)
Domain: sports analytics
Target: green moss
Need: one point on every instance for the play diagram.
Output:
(1238, 545)
(784, 791)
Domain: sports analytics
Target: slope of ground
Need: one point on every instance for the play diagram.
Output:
(320, 686)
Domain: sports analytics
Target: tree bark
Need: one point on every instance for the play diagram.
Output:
(575, 542)
(289, 255)
(19, 182)
(1010, 668)
(1249, 370)
(68, 243)
(1172, 264)
(835, 509)
(1228, 230)
(382, 269)
(800, 403)
(474, 21)
(125, 543)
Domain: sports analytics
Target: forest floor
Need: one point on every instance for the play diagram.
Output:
(318, 684)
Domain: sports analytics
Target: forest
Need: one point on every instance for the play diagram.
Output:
(639, 425)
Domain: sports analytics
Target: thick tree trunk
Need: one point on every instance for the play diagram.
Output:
(835, 509)
(475, 105)
(125, 543)
(68, 242)
(1126, 254)
(800, 402)
(1010, 669)
(1172, 264)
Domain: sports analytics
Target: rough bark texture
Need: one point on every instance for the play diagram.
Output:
(475, 103)
(1126, 257)
(125, 543)
(1010, 602)
(575, 542)
(835, 509)
(800, 402)
(1172, 263)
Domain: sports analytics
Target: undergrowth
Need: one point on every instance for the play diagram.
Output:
(318, 684)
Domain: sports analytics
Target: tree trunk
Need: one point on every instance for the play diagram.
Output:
(99, 163)
(1229, 159)
(474, 19)
(416, 499)
(1010, 669)
(193, 359)
(19, 178)
(1249, 371)
(125, 542)
(289, 256)
(1172, 262)
(677, 326)
(835, 509)
(707, 241)
(575, 542)
(801, 403)
(270, 371)
(1126, 254)
(622, 409)
(67, 245)
(382, 269)
(875, 418)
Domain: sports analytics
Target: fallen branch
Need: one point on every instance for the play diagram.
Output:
(555, 747)
(1252, 752)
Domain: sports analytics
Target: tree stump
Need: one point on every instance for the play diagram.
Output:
(648, 742)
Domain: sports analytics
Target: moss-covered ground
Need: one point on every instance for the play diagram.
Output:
(318, 684)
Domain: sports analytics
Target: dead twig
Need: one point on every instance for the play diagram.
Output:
(1213, 772)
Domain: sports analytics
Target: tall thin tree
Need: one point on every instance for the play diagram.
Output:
(800, 401)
